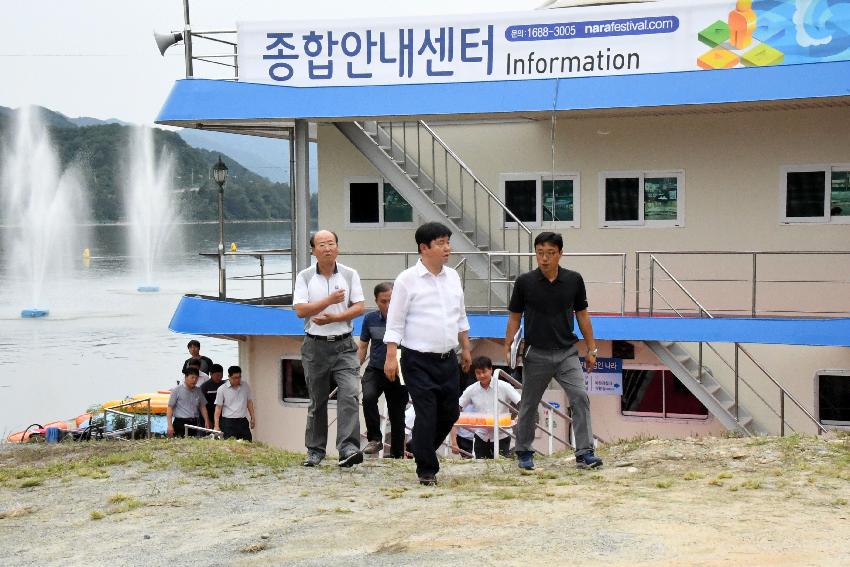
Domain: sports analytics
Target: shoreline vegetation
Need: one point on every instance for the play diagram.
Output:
(707, 501)
(100, 153)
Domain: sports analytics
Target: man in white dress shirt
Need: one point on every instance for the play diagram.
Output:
(427, 317)
(328, 296)
(479, 397)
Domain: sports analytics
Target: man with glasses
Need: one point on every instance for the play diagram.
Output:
(548, 298)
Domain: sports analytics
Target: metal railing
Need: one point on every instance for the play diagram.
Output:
(738, 348)
(451, 184)
(469, 279)
(754, 281)
(119, 433)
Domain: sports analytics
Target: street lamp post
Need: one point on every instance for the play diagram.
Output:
(219, 175)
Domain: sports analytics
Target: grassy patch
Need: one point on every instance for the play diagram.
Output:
(665, 483)
(751, 484)
(693, 475)
(230, 486)
(97, 515)
(38, 463)
(394, 492)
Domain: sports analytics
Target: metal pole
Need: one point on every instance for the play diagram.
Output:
(418, 157)
(699, 371)
(755, 256)
(494, 381)
(262, 278)
(550, 427)
(737, 417)
(782, 412)
(637, 283)
(302, 196)
(222, 275)
(651, 283)
(623, 292)
(293, 262)
(187, 40)
(149, 419)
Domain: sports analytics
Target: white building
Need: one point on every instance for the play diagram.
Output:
(704, 188)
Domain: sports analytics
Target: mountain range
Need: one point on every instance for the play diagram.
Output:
(257, 188)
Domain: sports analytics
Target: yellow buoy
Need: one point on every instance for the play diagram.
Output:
(86, 253)
(233, 247)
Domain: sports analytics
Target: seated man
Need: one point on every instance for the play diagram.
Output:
(204, 363)
(185, 404)
(233, 404)
(480, 396)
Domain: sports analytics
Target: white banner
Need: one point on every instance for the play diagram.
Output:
(572, 42)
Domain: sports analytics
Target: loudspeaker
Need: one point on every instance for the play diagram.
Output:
(166, 40)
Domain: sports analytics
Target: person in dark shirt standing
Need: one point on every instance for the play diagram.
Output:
(548, 297)
(204, 362)
(375, 382)
(210, 387)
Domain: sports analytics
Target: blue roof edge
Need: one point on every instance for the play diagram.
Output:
(201, 316)
(207, 99)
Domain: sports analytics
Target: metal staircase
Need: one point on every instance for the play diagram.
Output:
(441, 187)
(726, 378)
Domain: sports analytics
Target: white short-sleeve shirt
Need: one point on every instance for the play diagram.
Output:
(481, 401)
(311, 286)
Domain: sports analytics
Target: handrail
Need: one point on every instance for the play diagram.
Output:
(466, 168)
(783, 392)
(112, 409)
(753, 274)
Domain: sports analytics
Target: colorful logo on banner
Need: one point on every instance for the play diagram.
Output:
(652, 37)
(606, 378)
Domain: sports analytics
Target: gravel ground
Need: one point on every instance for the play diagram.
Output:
(761, 501)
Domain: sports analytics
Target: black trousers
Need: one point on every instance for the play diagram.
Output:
(180, 431)
(434, 385)
(464, 444)
(238, 427)
(375, 383)
(484, 449)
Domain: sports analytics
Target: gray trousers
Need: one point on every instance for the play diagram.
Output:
(539, 367)
(323, 360)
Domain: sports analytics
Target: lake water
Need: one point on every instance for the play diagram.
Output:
(104, 340)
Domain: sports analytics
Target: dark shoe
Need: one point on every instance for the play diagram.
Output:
(373, 447)
(312, 460)
(428, 480)
(354, 458)
(526, 460)
(588, 461)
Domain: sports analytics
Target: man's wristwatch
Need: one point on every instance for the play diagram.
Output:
(593, 352)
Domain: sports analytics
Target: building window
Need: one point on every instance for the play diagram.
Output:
(658, 393)
(537, 198)
(653, 198)
(293, 383)
(833, 395)
(372, 202)
(817, 194)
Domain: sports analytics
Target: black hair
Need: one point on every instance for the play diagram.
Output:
(193, 370)
(216, 368)
(382, 287)
(193, 342)
(233, 370)
(429, 232)
(481, 362)
(550, 238)
(193, 363)
(313, 236)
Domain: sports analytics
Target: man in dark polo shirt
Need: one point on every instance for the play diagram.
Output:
(210, 387)
(375, 382)
(548, 297)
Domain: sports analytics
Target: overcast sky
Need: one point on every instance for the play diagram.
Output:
(98, 57)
